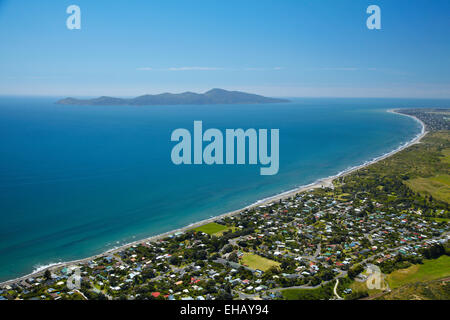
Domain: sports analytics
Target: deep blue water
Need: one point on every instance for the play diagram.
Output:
(75, 181)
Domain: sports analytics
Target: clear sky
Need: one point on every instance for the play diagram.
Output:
(277, 48)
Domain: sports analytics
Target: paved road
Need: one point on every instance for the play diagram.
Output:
(305, 287)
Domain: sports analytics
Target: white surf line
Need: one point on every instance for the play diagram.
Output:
(318, 184)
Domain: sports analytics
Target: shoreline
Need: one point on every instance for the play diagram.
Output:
(320, 183)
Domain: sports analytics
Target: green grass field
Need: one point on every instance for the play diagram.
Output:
(212, 228)
(429, 270)
(320, 293)
(444, 179)
(437, 186)
(446, 156)
(430, 174)
(254, 261)
(441, 220)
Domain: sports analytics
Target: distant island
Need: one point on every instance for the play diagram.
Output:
(214, 96)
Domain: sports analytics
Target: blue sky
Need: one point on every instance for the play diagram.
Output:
(280, 48)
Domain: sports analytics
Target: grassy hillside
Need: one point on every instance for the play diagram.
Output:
(429, 270)
(431, 290)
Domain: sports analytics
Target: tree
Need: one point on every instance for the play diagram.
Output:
(174, 260)
(148, 274)
(228, 248)
(353, 272)
(233, 257)
(210, 286)
(224, 295)
(47, 274)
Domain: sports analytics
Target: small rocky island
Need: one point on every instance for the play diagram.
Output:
(214, 96)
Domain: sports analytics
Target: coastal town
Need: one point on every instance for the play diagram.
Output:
(321, 243)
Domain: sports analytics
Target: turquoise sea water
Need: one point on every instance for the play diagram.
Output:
(77, 180)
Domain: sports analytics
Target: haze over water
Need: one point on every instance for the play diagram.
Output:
(78, 180)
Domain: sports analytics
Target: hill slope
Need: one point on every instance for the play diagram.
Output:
(431, 290)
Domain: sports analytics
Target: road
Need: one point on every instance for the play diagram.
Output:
(335, 289)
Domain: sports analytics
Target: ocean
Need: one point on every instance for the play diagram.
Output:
(78, 180)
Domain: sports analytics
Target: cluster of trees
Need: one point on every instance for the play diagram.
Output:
(435, 251)
(355, 270)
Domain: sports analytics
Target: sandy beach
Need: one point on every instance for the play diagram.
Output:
(325, 182)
